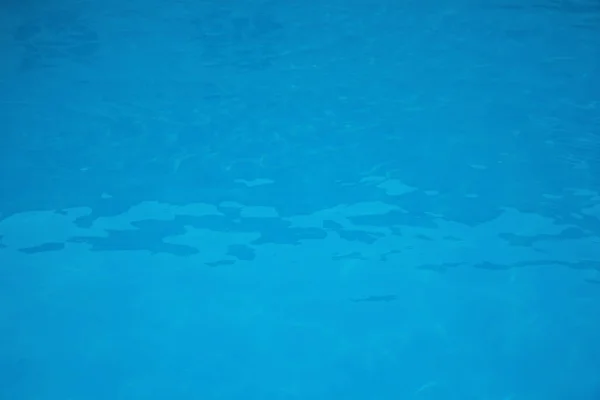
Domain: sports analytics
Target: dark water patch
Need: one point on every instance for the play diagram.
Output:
(241, 252)
(136, 240)
(43, 248)
(528, 241)
(220, 263)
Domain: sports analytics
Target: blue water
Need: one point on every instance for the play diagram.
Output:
(285, 200)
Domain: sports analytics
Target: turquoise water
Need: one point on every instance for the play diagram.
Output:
(285, 200)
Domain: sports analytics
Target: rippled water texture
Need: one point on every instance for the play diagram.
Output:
(292, 200)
